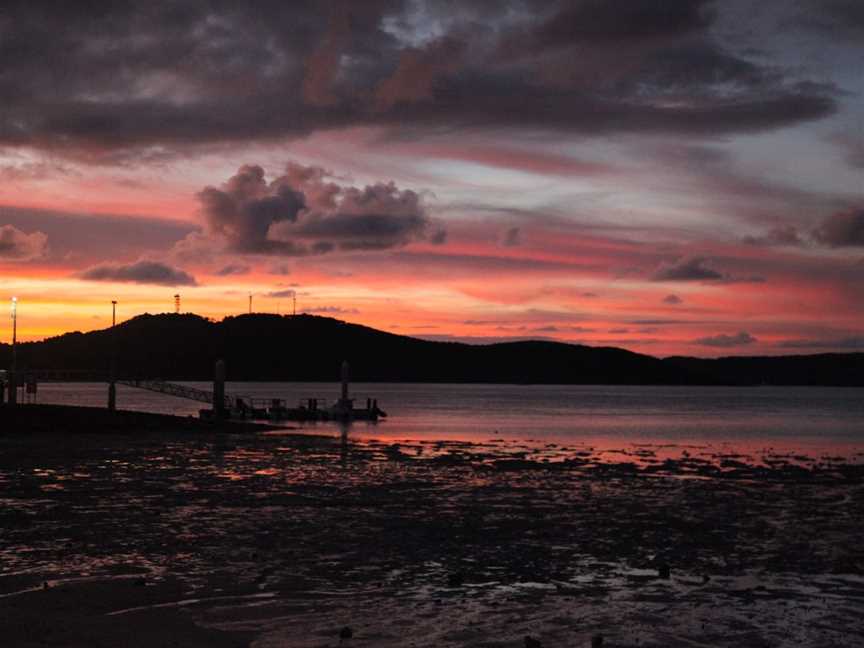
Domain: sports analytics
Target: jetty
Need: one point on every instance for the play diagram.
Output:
(277, 409)
(223, 406)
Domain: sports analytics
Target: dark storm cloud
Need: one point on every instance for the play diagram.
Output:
(142, 272)
(843, 229)
(725, 341)
(302, 212)
(99, 80)
(485, 101)
(16, 245)
(621, 20)
(691, 64)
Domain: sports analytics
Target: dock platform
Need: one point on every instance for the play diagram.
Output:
(277, 409)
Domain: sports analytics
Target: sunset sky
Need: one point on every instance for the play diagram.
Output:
(672, 177)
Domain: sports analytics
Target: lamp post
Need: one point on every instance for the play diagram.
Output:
(13, 378)
(112, 386)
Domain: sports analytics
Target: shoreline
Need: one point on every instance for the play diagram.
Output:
(81, 419)
(639, 458)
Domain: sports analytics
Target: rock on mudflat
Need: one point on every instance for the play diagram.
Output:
(456, 580)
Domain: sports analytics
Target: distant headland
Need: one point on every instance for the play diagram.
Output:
(269, 347)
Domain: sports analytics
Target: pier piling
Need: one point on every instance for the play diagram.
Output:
(219, 389)
(345, 377)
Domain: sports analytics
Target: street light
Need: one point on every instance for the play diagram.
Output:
(112, 386)
(14, 329)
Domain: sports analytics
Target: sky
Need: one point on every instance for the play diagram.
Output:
(676, 177)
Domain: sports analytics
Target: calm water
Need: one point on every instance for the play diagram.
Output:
(763, 415)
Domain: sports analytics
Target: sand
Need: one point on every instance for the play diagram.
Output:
(219, 538)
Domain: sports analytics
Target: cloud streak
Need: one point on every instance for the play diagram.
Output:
(727, 341)
(688, 269)
(846, 344)
(141, 272)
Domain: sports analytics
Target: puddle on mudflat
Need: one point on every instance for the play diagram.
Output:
(296, 537)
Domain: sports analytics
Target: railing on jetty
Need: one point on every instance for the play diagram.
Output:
(180, 391)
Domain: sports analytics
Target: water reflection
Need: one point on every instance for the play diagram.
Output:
(241, 516)
(344, 427)
(559, 414)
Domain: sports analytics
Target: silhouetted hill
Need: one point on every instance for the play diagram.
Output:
(311, 348)
(841, 369)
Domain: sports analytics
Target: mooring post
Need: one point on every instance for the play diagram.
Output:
(345, 376)
(219, 390)
(12, 388)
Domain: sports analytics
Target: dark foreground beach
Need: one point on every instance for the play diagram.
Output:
(153, 531)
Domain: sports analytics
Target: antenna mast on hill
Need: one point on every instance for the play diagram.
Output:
(177, 304)
(250, 303)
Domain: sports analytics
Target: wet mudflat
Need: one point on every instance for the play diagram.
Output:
(278, 539)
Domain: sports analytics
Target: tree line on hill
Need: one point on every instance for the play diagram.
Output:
(310, 348)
